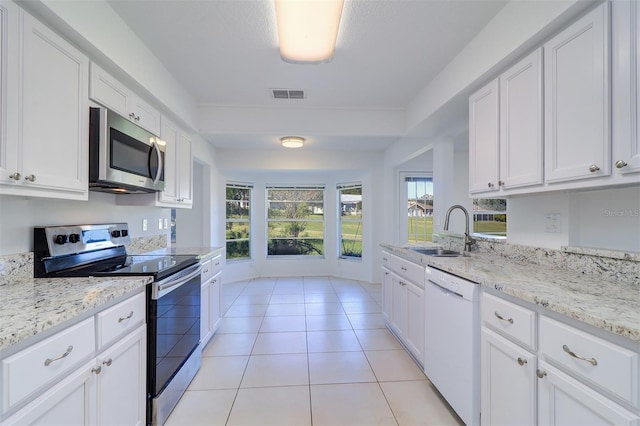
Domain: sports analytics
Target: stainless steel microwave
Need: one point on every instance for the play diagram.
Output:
(123, 158)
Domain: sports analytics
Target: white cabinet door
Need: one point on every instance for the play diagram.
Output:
(9, 72)
(626, 86)
(387, 304)
(185, 170)
(484, 139)
(508, 382)
(521, 126)
(108, 91)
(563, 400)
(399, 304)
(121, 384)
(216, 302)
(576, 63)
(69, 402)
(205, 312)
(47, 133)
(414, 333)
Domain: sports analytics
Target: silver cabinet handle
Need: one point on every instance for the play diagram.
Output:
(620, 164)
(96, 370)
(541, 374)
(591, 361)
(490, 185)
(30, 178)
(15, 176)
(403, 268)
(132, 116)
(48, 361)
(108, 362)
(500, 183)
(126, 318)
(522, 361)
(137, 118)
(500, 317)
(593, 168)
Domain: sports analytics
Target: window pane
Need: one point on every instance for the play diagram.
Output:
(351, 221)
(295, 221)
(238, 218)
(419, 208)
(490, 216)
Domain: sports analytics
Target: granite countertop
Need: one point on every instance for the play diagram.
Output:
(203, 253)
(609, 305)
(34, 305)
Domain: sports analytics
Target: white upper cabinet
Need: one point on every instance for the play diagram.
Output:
(484, 154)
(108, 91)
(521, 127)
(506, 131)
(626, 86)
(45, 113)
(577, 139)
(178, 173)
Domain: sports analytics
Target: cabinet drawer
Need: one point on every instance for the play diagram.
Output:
(409, 270)
(509, 319)
(386, 260)
(603, 363)
(120, 319)
(207, 271)
(46, 361)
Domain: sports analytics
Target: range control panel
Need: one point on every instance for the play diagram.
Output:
(63, 240)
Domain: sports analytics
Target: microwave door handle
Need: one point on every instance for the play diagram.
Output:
(156, 148)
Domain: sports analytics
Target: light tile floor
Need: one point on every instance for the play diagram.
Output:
(307, 351)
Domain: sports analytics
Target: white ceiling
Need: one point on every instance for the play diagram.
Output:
(225, 54)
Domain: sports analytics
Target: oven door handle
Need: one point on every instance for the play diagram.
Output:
(168, 285)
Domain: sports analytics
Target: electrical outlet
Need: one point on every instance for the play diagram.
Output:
(160, 224)
(144, 225)
(166, 223)
(552, 222)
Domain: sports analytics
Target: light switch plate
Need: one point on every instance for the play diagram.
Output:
(552, 223)
(144, 225)
(160, 223)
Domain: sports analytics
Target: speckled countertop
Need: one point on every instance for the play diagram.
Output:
(609, 305)
(31, 306)
(203, 253)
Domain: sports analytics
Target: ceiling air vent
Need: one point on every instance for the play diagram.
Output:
(288, 94)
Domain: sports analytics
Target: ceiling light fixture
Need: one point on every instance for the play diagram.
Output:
(308, 29)
(292, 141)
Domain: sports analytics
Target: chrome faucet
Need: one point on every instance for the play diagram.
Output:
(468, 241)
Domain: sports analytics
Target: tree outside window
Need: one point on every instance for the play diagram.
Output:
(295, 221)
(350, 213)
(238, 221)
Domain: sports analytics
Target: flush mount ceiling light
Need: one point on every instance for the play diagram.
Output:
(308, 29)
(292, 141)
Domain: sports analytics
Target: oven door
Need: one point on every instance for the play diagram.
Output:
(174, 355)
(123, 155)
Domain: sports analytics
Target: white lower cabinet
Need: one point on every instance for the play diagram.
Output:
(562, 400)
(508, 377)
(403, 303)
(210, 299)
(561, 376)
(79, 386)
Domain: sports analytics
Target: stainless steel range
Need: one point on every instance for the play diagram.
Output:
(173, 300)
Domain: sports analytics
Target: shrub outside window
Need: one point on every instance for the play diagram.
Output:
(295, 221)
(238, 221)
(490, 216)
(350, 196)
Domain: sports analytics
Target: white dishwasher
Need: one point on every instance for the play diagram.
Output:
(452, 341)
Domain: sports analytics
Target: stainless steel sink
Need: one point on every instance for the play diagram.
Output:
(436, 252)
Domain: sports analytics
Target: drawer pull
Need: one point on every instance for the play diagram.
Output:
(500, 317)
(125, 318)
(403, 268)
(108, 362)
(591, 361)
(541, 374)
(48, 361)
(96, 370)
(522, 361)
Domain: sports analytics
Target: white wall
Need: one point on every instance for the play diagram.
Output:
(289, 167)
(607, 219)
(20, 214)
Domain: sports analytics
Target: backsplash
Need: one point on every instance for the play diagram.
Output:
(609, 264)
(18, 267)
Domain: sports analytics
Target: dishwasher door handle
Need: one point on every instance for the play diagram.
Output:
(446, 290)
